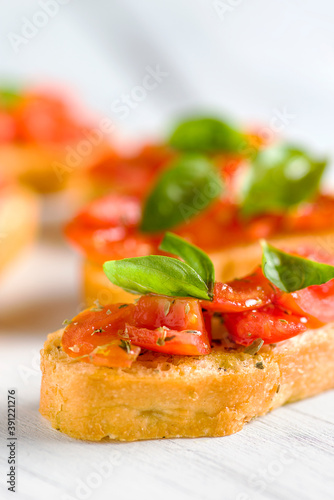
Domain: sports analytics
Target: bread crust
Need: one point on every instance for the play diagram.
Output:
(19, 214)
(163, 396)
(230, 263)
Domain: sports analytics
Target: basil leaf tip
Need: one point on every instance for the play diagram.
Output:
(192, 255)
(156, 274)
(183, 190)
(291, 272)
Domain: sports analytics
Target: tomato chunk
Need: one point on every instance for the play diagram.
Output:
(116, 354)
(95, 327)
(112, 335)
(271, 324)
(174, 326)
(108, 229)
(252, 292)
(316, 301)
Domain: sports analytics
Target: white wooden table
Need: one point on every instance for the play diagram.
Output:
(287, 455)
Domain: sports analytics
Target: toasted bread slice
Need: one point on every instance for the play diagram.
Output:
(163, 396)
(19, 214)
(48, 168)
(230, 263)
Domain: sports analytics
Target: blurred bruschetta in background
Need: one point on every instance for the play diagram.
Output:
(45, 138)
(19, 218)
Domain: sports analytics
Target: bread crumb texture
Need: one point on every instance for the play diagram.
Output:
(178, 396)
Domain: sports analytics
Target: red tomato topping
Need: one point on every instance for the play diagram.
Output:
(271, 324)
(41, 118)
(252, 292)
(163, 324)
(174, 326)
(108, 229)
(116, 354)
(316, 301)
(133, 175)
(93, 328)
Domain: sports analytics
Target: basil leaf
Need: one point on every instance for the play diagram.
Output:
(156, 274)
(290, 272)
(9, 98)
(280, 177)
(192, 255)
(182, 191)
(207, 135)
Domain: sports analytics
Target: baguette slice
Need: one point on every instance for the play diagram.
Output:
(48, 168)
(163, 396)
(230, 263)
(19, 215)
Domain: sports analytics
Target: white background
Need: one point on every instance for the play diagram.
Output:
(258, 57)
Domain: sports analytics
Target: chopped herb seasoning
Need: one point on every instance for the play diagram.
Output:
(259, 365)
(167, 308)
(160, 341)
(125, 345)
(168, 339)
(278, 388)
(67, 322)
(108, 312)
(121, 306)
(254, 347)
(195, 332)
(283, 321)
(98, 330)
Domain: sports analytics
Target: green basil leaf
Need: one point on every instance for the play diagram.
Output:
(181, 192)
(207, 135)
(192, 255)
(280, 177)
(9, 98)
(290, 272)
(156, 274)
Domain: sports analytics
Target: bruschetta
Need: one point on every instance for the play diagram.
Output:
(223, 207)
(44, 140)
(192, 357)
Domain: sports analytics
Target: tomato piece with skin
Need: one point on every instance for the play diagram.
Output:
(95, 327)
(173, 326)
(116, 354)
(251, 292)
(317, 300)
(164, 324)
(185, 343)
(271, 324)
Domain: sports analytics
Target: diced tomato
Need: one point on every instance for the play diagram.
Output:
(185, 342)
(252, 292)
(95, 327)
(316, 301)
(116, 354)
(112, 335)
(271, 324)
(108, 229)
(174, 326)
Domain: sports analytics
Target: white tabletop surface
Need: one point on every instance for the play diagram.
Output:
(288, 454)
